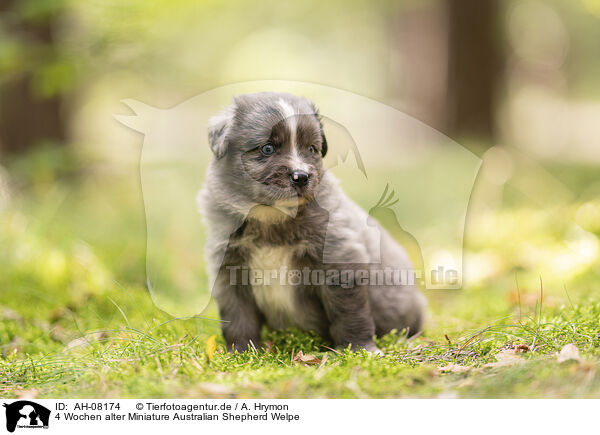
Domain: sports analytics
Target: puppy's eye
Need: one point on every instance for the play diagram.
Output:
(312, 149)
(267, 149)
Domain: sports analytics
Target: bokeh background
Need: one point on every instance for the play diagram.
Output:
(515, 82)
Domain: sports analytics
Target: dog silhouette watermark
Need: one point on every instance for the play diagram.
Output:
(25, 414)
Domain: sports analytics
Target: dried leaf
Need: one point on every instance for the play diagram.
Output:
(306, 359)
(506, 358)
(211, 347)
(569, 353)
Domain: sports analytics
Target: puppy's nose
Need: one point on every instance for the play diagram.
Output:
(299, 178)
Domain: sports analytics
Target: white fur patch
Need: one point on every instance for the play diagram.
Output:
(290, 118)
(275, 300)
(288, 110)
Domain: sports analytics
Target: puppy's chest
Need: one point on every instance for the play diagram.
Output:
(276, 295)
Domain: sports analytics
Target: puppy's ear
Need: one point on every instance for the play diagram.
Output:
(217, 132)
(323, 139)
(324, 146)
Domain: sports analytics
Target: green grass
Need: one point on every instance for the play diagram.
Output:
(144, 353)
(77, 321)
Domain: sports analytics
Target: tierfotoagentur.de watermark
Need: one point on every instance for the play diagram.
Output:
(345, 278)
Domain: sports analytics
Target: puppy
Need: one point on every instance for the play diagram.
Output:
(285, 244)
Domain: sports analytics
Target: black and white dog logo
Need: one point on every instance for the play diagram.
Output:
(26, 415)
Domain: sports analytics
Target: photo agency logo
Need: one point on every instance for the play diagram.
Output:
(24, 414)
(412, 185)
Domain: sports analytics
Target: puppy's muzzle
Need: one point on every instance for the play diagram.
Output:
(299, 178)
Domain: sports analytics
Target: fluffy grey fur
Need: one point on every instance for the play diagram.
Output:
(268, 203)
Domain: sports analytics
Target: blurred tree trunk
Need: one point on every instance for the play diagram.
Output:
(474, 68)
(27, 118)
(421, 59)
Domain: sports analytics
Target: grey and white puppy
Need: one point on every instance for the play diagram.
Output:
(270, 205)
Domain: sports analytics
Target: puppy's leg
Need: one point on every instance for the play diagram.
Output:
(349, 314)
(400, 305)
(397, 307)
(241, 318)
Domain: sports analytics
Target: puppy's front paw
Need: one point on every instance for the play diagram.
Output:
(369, 347)
(242, 346)
(372, 348)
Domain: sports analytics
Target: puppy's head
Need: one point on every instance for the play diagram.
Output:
(270, 146)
